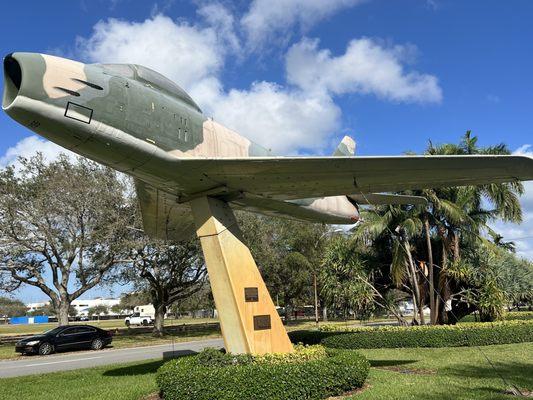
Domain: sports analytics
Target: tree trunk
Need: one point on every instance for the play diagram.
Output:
(459, 310)
(432, 303)
(324, 313)
(316, 298)
(442, 316)
(414, 284)
(159, 321)
(456, 249)
(62, 312)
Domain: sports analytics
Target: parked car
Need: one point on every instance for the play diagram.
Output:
(84, 318)
(138, 319)
(65, 338)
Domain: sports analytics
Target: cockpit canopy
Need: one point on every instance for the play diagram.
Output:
(153, 78)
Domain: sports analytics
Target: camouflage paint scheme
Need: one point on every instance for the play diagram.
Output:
(136, 121)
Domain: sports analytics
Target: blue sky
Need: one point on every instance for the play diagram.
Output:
(297, 75)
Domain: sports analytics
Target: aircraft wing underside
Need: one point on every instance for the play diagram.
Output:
(310, 177)
(272, 186)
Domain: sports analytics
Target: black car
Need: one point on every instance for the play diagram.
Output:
(65, 338)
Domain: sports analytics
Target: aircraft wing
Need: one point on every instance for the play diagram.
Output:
(304, 177)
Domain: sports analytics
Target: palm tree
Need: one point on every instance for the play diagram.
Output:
(399, 224)
(464, 213)
(454, 217)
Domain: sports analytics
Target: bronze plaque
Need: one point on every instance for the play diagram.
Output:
(251, 295)
(262, 322)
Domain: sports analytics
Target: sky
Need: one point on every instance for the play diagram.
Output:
(298, 75)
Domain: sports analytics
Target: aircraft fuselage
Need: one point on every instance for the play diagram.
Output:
(129, 118)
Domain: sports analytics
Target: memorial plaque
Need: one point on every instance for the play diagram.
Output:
(251, 295)
(262, 322)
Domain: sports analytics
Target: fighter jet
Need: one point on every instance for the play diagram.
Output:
(136, 121)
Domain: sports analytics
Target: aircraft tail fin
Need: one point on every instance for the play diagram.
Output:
(346, 148)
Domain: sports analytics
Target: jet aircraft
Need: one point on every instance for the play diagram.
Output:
(191, 172)
(136, 121)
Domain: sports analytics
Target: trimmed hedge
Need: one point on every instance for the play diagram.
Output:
(339, 372)
(467, 334)
(508, 316)
(217, 358)
(309, 337)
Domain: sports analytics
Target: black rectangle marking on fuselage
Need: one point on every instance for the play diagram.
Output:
(79, 112)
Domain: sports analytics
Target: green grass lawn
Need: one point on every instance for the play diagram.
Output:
(104, 324)
(448, 373)
(445, 373)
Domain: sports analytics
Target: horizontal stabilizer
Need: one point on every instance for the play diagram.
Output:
(291, 209)
(379, 199)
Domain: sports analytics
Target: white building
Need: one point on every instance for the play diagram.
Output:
(35, 306)
(82, 306)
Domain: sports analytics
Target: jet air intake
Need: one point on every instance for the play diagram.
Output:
(12, 79)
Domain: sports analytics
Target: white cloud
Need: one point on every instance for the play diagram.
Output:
(269, 114)
(268, 20)
(185, 53)
(366, 68)
(285, 118)
(28, 147)
(219, 17)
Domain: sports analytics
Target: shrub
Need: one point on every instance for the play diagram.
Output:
(302, 353)
(309, 337)
(214, 357)
(518, 315)
(335, 373)
(509, 316)
(467, 334)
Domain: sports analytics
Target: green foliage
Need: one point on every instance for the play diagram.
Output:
(338, 372)
(72, 311)
(214, 357)
(302, 353)
(116, 308)
(309, 337)
(495, 278)
(211, 357)
(345, 277)
(47, 309)
(288, 253)
(11, 307)
(467, 334)
(63, 227)
(509, 316)
(129, 301)
(98, 310)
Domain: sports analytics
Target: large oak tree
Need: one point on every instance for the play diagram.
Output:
(62, 227)
(166, 272)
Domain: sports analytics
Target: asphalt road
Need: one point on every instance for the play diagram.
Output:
(30, 365)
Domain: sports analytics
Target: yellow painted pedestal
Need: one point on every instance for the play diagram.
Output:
(248, 318)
